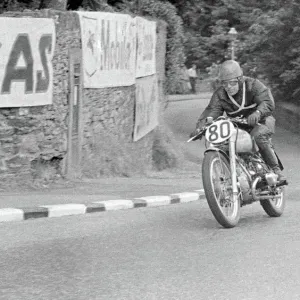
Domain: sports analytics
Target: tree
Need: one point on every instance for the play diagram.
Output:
(273, 47)
(268, 44)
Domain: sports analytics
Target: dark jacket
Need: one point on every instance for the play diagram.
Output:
(257, 96)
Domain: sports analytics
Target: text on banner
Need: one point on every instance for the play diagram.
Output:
(26, 74)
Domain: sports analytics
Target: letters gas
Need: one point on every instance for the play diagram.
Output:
(27, 74)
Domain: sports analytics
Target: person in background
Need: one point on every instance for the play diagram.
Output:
(193, 77)
(241, 96)
(185, 85)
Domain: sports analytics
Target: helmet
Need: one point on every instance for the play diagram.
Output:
(230, 69)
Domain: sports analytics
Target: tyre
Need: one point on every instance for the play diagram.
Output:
(217, 185)
(275, 208)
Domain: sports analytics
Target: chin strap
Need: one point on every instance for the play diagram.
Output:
(242, 106)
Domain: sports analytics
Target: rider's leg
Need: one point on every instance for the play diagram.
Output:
(262, 136)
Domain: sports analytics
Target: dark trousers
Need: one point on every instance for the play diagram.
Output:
(193, 84)
(262, 135)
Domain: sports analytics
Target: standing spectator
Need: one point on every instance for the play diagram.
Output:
(185, 85)
(193, 76)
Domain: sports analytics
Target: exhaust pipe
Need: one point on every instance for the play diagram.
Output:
(262, 197)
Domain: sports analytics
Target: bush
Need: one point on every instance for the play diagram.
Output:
(166, 152)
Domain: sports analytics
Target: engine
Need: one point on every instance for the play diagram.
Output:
(255, 167)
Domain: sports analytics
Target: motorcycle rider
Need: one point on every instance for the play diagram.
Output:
(241, 96)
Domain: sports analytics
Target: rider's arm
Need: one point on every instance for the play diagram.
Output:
(214, 109)
(264, 98)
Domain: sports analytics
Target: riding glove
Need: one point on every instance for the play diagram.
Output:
(254, 118)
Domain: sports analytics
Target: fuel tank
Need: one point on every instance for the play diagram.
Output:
(244, 141)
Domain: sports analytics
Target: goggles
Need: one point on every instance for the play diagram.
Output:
(229, 83)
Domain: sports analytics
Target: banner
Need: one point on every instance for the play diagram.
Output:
(108, 48)
(146, 47)
(146, 106)
(26, 51)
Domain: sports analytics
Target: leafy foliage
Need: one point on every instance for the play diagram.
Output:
(268, 43)
(274, 45)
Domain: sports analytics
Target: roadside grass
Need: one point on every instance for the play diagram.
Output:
(112, 157)
(166, 152)
(170, 158)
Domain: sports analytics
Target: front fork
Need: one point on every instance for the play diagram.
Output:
(235, 191)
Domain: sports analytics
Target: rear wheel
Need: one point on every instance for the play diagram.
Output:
(217, 184)
(275, 207)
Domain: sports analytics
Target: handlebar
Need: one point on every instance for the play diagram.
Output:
(236, 120)
(198, 136)
(241, 120)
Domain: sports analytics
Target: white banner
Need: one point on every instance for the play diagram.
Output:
(26, 51)
(146, 47)
(109, 49)
(146, 106)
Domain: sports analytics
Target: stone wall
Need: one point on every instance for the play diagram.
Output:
(34, 139)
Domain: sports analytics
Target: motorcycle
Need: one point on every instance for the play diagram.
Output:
(234, 173)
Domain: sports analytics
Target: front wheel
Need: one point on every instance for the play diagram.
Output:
(275, 207)
(216, 178)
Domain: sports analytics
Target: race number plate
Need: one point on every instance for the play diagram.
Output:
(219, 131)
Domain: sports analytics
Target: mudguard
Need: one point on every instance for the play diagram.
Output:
(211, 149)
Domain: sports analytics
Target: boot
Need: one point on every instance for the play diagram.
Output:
(270, 158)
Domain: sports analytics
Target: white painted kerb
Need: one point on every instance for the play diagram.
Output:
(156, 200)
(116, 204)
(187, 197)
(11, 214)
(65, 210)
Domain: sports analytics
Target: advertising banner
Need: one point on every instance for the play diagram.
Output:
(146, 47)
(146, 106)
(108, 49)
(26, 51)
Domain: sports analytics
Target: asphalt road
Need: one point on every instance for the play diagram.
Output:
(171, 252)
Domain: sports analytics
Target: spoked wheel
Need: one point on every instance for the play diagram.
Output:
(275, 207)
(216, 178)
